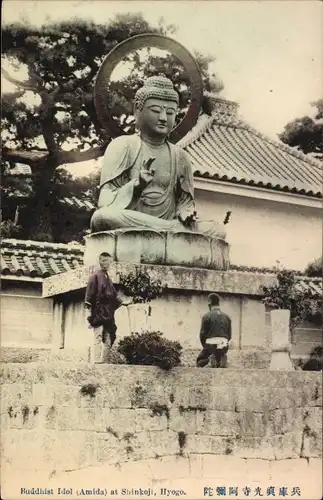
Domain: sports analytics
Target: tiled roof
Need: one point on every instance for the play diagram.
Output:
(78, 203)
(223, 147)
(36, 259)
(313, 284)
(19, 169)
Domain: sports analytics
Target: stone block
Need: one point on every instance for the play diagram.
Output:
(67, 395)
(254, 447)
(252, 424)
(188, 421)
(253, 330)
(152, 444)
(188, 249)
(312, 416)
(78, 374)
(200, 397)
(220, 254)
(25, 417)
(122, 421)
(67, 450)
(21, 449)
(15, 394)
(75, 418)
(23, 373)
(220, 423)
(223, 398)
(281, 421)
(48, 416)
(43, 394)
(97, 243)
(312, 433)
(142, 246)
(287, 445)
(216, 445)
(255, 400)
(24, 354)
(248, 358)
(111, 397)
(109, 448)
(71, 355)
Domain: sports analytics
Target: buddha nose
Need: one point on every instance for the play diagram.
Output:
(163, 116)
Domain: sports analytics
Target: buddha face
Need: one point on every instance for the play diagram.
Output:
(157, 117)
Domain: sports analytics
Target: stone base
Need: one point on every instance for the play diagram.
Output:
(280, 360)
(158, 247)
(237, 359)
(13, 354)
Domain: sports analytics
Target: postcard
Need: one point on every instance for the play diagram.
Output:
(161, 257)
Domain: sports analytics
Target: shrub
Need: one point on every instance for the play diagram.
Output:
(287, 294)
(140, 286)
(150, 348)
(315, 361)
(315, 268)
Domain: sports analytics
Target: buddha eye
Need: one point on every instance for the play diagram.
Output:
(156, 110)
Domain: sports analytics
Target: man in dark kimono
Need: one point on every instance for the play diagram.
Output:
(102, 300)
(215, 335)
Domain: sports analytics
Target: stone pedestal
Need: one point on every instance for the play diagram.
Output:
(177, 313)
(281, 347)
(158, 247)
(139, 317)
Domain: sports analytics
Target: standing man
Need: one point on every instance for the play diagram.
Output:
(102, 300)
(215, 335)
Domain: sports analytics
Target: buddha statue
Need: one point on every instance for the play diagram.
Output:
(147, 182)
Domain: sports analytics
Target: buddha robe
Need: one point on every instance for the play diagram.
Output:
(123, 203)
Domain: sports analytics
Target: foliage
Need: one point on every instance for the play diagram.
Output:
(140, 286)
(150, 348)
(315, 269)
(315, 361)
(306, 133)
(9, 229)
(50, 119)
(287, 294)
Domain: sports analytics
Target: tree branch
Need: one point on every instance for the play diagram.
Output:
(75, 156)
(31, 158)
(14, 81)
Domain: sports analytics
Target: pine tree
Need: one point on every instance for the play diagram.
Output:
(50, 120)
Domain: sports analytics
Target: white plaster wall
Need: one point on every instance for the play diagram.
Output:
(263, 232)
(26, 318)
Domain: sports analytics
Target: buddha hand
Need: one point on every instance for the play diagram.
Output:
(187, 217)
(146, 174)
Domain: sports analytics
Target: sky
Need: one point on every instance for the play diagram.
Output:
(269, 54)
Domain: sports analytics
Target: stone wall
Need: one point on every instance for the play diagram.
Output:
(72, 416)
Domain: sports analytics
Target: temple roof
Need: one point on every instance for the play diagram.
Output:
(36, 259)
(224, 147)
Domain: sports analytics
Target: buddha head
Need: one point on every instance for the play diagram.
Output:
(156, 105)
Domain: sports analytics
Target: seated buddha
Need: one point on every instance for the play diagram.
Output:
(147, 182)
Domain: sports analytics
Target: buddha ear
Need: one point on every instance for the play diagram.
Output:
(136, 112)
